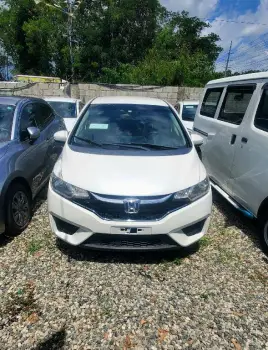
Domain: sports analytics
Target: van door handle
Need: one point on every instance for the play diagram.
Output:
(233, 139)
(244, 140)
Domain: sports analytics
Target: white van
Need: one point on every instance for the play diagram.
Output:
(233, 119)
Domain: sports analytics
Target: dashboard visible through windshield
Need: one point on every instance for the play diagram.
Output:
(129, 126)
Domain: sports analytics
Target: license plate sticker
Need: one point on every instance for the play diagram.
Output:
(131, 230)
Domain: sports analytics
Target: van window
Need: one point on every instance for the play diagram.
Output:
(210, 102)
(235, 103)
(261, 119)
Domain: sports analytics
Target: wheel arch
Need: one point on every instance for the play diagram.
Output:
(263, 207)
(18, 179)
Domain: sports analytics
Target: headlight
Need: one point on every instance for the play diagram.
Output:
(65, 189)
(195, 192)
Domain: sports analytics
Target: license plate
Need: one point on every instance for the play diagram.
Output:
(131, 230)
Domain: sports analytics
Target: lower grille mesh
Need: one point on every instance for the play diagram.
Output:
(130, 242)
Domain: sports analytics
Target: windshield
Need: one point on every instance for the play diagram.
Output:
(64, 109)
(6, 121)
(123, 124)
(188, 112)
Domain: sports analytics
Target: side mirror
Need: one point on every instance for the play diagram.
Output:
(33, 132)
(197, 139)
(61, 136)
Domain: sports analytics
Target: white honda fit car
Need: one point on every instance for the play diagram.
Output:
(129, 178)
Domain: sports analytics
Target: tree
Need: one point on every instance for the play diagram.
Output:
(130, 41)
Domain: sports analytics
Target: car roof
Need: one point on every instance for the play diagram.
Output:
(251, 76)
(189, 102)
(60, 99)
(14, 100)
(137, 100)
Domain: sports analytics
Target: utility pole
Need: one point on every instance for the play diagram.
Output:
(70, 34)
(71, 7)
(228, 59)
(7, 63)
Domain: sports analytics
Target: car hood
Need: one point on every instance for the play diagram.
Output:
(131, 175)
(69, 123)
(3, 148)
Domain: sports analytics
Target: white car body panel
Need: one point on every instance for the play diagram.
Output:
(131, 176)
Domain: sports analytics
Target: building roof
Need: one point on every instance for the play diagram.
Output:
(242, 77)
(129, 100)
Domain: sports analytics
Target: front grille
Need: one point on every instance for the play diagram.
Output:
(130, 242)
(112, 208)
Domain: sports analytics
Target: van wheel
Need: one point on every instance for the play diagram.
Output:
(18, 209)
(264, 233)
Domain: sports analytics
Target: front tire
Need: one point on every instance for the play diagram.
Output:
(18, 209)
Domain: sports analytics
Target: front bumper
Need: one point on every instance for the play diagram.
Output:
(80, 227)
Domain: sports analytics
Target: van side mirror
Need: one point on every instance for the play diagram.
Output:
(61, 136)
(33, 132)
(197, 139)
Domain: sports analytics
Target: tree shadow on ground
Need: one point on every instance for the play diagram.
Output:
(55, 342)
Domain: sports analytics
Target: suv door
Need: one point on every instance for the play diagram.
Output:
(49, 124)
(32, 159)
(250, 171)
(219, 150)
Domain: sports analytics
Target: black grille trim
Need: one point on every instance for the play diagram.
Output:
(116, 212)
(101, 241)
(64, 226)
(195, 228)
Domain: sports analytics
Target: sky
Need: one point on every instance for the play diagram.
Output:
(249, 41)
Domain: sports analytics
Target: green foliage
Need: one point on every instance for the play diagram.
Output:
(114, 41)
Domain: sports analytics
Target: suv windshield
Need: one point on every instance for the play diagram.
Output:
(129, 126)
(6, 121)
(188, 112)
(64, 109)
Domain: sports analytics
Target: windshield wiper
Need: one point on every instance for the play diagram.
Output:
(127, 145)
(153, 146)
(89, 142)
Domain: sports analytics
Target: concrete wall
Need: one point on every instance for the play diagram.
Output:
(88, 91)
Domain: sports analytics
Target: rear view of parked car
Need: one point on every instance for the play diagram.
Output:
(233, 119)
(129, 178)
(68, 108)
(27, 156)
(187, 111)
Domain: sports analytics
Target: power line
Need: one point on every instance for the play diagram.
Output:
(230, 21)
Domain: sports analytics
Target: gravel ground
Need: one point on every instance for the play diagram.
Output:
(213, 297)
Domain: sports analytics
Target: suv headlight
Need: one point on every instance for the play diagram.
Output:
(65, 189)
(195, 192)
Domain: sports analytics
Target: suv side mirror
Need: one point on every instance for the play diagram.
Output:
(33, 132)
(197, 139)
(61, 136)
